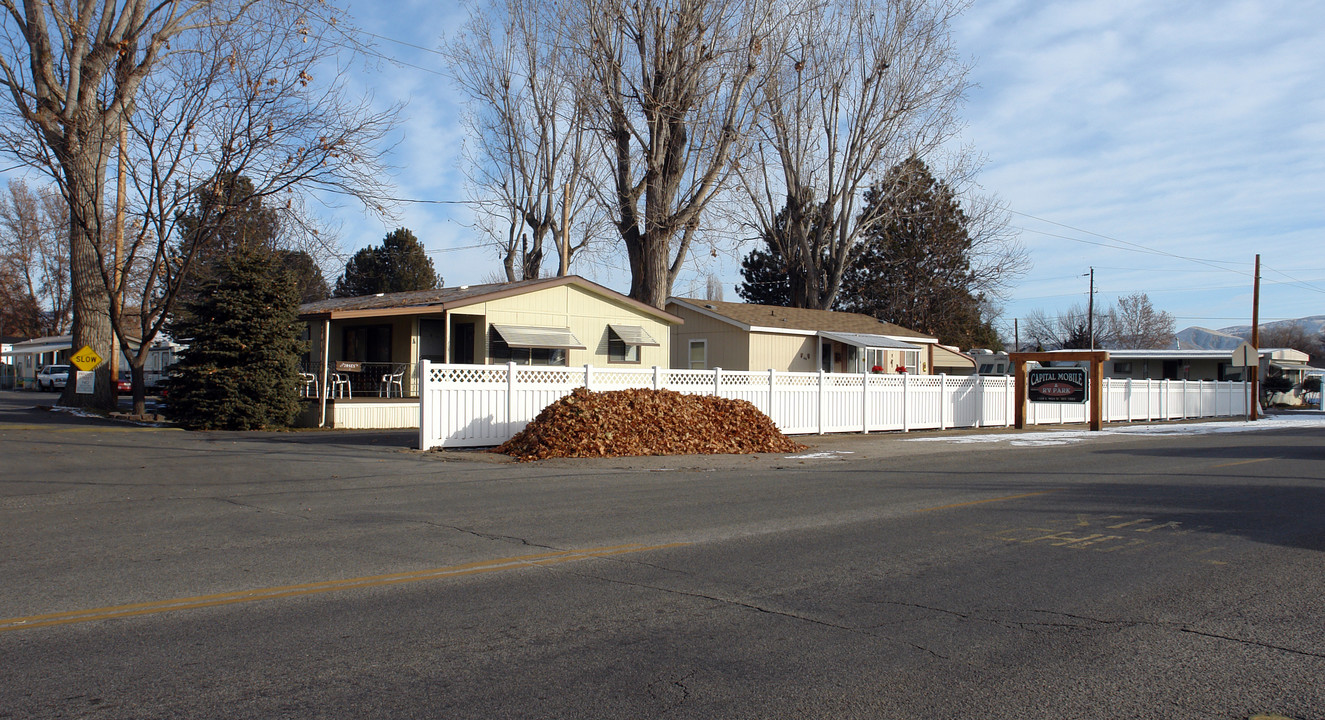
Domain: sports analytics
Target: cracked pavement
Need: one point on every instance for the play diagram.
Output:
(1159, 577)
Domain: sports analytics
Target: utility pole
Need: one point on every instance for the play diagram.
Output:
(116, 294)
(1090, 311)
(1255, 370)
(563, 263)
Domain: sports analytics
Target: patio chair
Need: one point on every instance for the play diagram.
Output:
(340, 385)
(310, 384)
(397, 379)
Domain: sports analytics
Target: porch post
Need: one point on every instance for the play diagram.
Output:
(446, 336)
(1097, 392)
(326, 349)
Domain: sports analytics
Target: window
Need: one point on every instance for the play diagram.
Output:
(531, 344)
(986, 368)
(624, 341)
(699, 355)
(367, 343)
(500, 352)
(619, 351)
(1122, 368)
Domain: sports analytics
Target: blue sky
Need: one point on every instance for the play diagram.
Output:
(1164, 144)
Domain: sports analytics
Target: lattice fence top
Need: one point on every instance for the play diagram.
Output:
(622, 378)
(466, 374)
(744, 379)
(549, 376)
(689, 378)
(838, 381)
(797, 380)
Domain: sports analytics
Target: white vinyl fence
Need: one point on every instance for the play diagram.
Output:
(479, 405)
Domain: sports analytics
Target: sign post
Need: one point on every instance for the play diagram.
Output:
(1246, 356)
(1059, 385)
(86, 360)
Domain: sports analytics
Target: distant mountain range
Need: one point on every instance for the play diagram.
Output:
(1199, 338)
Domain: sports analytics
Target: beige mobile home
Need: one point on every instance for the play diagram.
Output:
(741, 336)
(1201, 364)
(364, 352)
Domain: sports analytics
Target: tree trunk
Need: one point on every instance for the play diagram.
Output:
(139, 383)
(655, 265)
(84, 175)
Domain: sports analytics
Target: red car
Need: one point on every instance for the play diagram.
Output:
(123, 386)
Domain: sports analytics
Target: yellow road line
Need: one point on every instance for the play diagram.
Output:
(284, 591)
(990, 500)
(1240, 462)
(47, 428)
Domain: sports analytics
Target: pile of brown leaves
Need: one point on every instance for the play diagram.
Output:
(645, 422)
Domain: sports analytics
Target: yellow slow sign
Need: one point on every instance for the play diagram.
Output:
(86, 359)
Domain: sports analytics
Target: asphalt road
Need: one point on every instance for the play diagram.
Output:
(153, 573)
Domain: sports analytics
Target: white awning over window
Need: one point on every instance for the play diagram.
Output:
(862, 340)
(526, 336)
(37, 348)
(633, 335)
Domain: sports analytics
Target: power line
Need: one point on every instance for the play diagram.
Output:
(1134, 247)
(462, 247)
(1304, 284)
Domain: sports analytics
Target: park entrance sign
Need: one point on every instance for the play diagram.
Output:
(1061, 382)
(1056, 385)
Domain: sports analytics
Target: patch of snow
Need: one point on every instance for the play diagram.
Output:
(1063, 437)
(826, 455)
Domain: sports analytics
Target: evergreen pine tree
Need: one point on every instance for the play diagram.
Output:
(765, 278)
(915, 267)
(771, 277)
(309, 283)
(240, 370)
(399, 265)
(222, 218)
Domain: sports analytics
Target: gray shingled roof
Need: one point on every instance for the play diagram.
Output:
(801, 319)
(419, 301)
(412, 298)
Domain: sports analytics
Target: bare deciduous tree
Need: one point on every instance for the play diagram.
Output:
(1291, 334)
(34, 295)
(1135, 324)
(858, 88)
(1068, 330)
(674, 83)
(72, 72)
(533, 164)
(234, 119)
(712, 287)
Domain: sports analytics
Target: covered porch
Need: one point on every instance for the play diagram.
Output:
(363, 372)
(859, 352)
(365, 353)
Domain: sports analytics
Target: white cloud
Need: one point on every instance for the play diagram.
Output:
(1191, 130)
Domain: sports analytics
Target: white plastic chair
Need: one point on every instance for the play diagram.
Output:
(340, 385)
(397, 379)
(310, 384)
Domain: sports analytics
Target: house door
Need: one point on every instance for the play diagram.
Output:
(462, 343)
(1170, 369)
(432, 340)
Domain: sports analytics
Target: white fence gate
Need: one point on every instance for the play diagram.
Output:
(479, 405)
